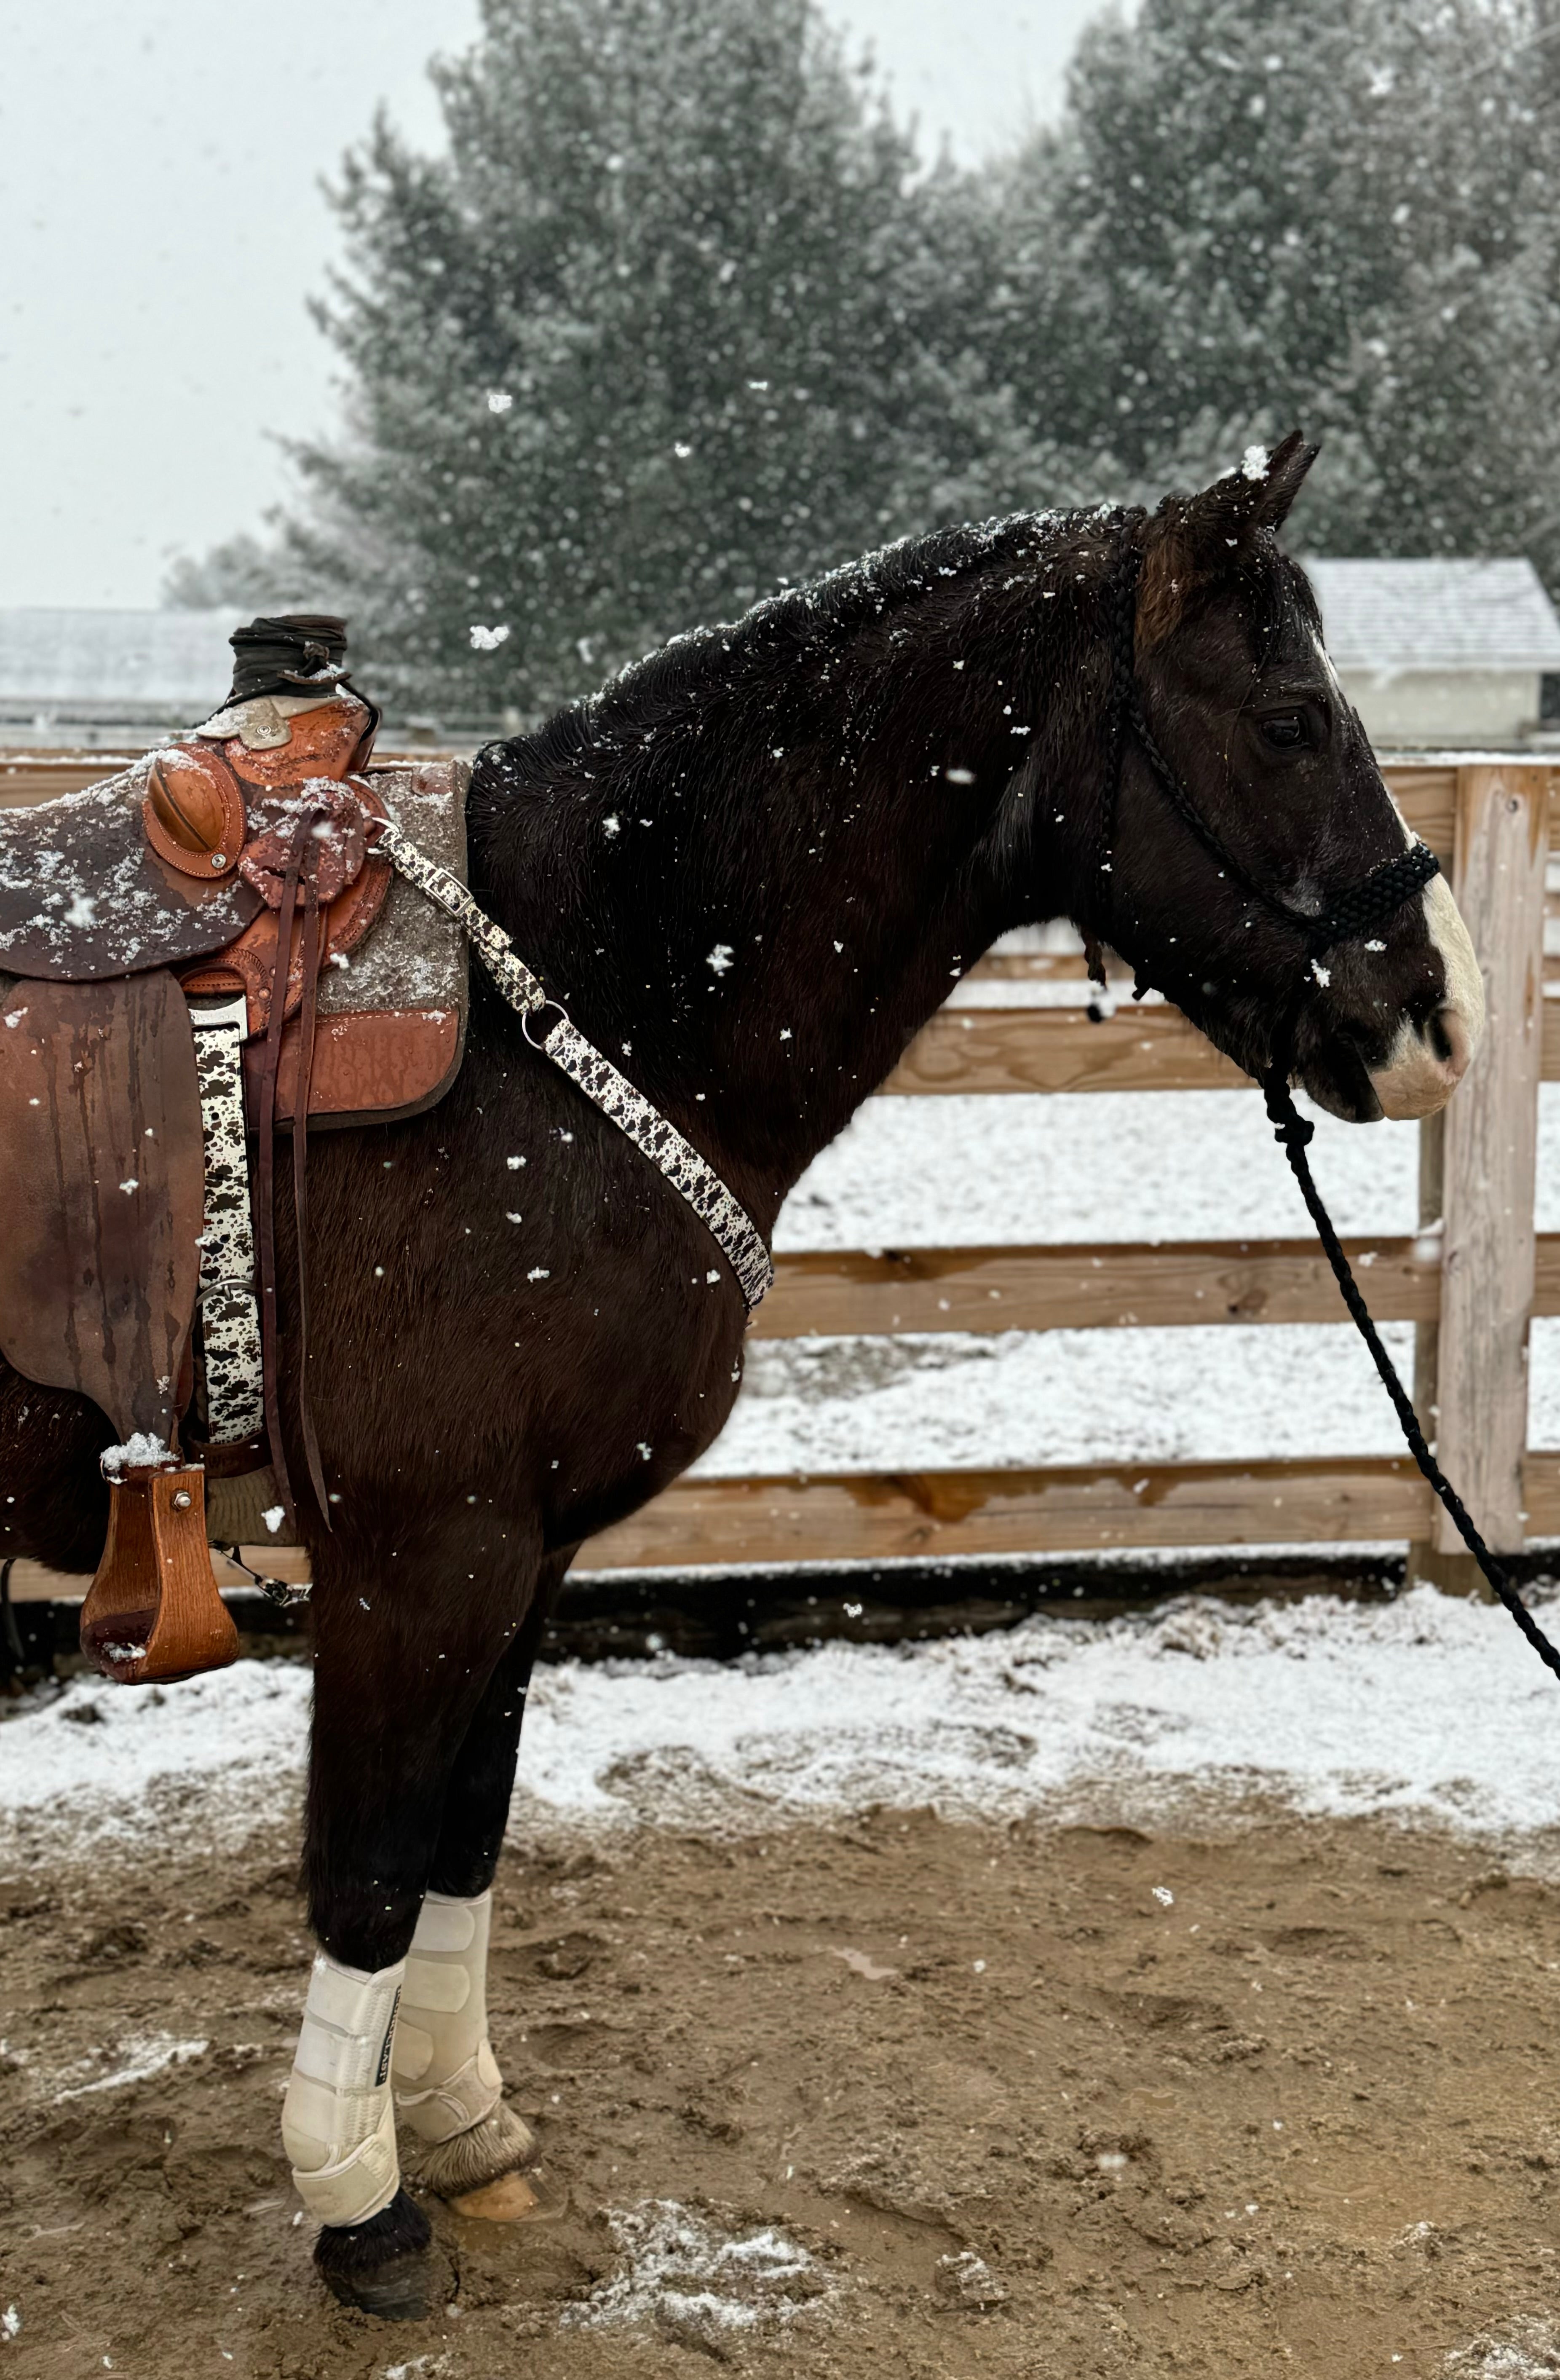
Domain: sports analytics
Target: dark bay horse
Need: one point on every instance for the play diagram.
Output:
(751, 868)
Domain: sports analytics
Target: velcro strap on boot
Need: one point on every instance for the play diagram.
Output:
(338, 2120)
(445, 2075)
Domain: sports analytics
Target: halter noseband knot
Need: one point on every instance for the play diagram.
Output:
(1377, 898)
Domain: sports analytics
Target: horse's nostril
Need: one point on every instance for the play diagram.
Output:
(1448, 1036)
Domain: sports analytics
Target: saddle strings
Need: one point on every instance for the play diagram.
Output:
(314, 931)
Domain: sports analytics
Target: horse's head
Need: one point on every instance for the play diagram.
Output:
(1238, 692)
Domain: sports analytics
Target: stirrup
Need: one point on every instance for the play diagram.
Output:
(154, 1609)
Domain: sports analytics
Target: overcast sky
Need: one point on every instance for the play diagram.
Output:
(162, 225)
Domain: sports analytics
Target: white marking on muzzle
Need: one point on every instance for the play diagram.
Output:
(1415, 1081)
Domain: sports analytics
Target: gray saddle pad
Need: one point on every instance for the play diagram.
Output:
(416, 956)
(83, 895)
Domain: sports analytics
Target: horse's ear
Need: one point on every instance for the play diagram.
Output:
(1286, 470)
(1193, 540)
(1257, 494)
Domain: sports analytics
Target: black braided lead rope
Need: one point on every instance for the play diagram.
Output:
(1294, 1134)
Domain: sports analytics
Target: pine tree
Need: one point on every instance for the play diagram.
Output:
(1337, 211)
(645, 341)
(678, 317)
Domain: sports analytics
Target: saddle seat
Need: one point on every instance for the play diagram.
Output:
(133, 915)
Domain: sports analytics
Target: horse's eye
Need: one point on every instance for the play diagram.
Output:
(1286, 731)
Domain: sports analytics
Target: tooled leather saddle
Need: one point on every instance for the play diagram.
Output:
(181, 976)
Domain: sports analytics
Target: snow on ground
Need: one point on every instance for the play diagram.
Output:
(1059, 1396)
(1104, 1165)
(684, 2277)
(1528, 2349)
(1430, 1708)
(1108, 1166)
(136, 2056)
(202, 1760)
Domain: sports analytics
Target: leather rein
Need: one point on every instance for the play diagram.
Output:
(1354, 912)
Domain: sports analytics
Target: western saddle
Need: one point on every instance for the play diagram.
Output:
(179, 978)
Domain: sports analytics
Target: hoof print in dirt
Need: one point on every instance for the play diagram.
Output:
(967, 2280)
(383, 2266)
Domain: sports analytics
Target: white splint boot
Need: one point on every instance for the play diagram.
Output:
(338, 2120)
(445, 2077)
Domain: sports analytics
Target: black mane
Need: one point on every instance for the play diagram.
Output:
(729, 659)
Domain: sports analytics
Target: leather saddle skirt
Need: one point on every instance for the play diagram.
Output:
(84, 895)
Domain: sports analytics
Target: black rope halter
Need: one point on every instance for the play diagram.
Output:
(1354, 912)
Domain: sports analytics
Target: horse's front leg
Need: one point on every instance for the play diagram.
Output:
(474, 2151)
(401, 1662)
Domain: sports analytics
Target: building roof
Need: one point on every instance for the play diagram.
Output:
(117, 663)
(1442, 614)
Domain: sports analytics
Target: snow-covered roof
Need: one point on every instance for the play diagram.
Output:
(1440, 615)
(174, 660)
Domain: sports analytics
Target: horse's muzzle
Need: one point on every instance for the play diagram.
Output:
(1427, 1061)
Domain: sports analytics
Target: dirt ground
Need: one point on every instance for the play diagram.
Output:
(1035, 2102)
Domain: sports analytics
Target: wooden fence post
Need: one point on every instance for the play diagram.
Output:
(1489, 1163)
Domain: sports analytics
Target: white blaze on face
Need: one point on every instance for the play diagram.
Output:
(1324, 657)
(1423, 1070)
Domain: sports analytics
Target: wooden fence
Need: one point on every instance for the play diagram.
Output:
(1470, 1290)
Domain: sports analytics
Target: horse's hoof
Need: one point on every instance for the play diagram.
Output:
(381, 2267)
(526, 2197)
(396, 2292)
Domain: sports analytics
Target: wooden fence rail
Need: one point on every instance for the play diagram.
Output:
(1471, 1288)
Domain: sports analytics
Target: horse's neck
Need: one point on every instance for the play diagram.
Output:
(784, 907)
